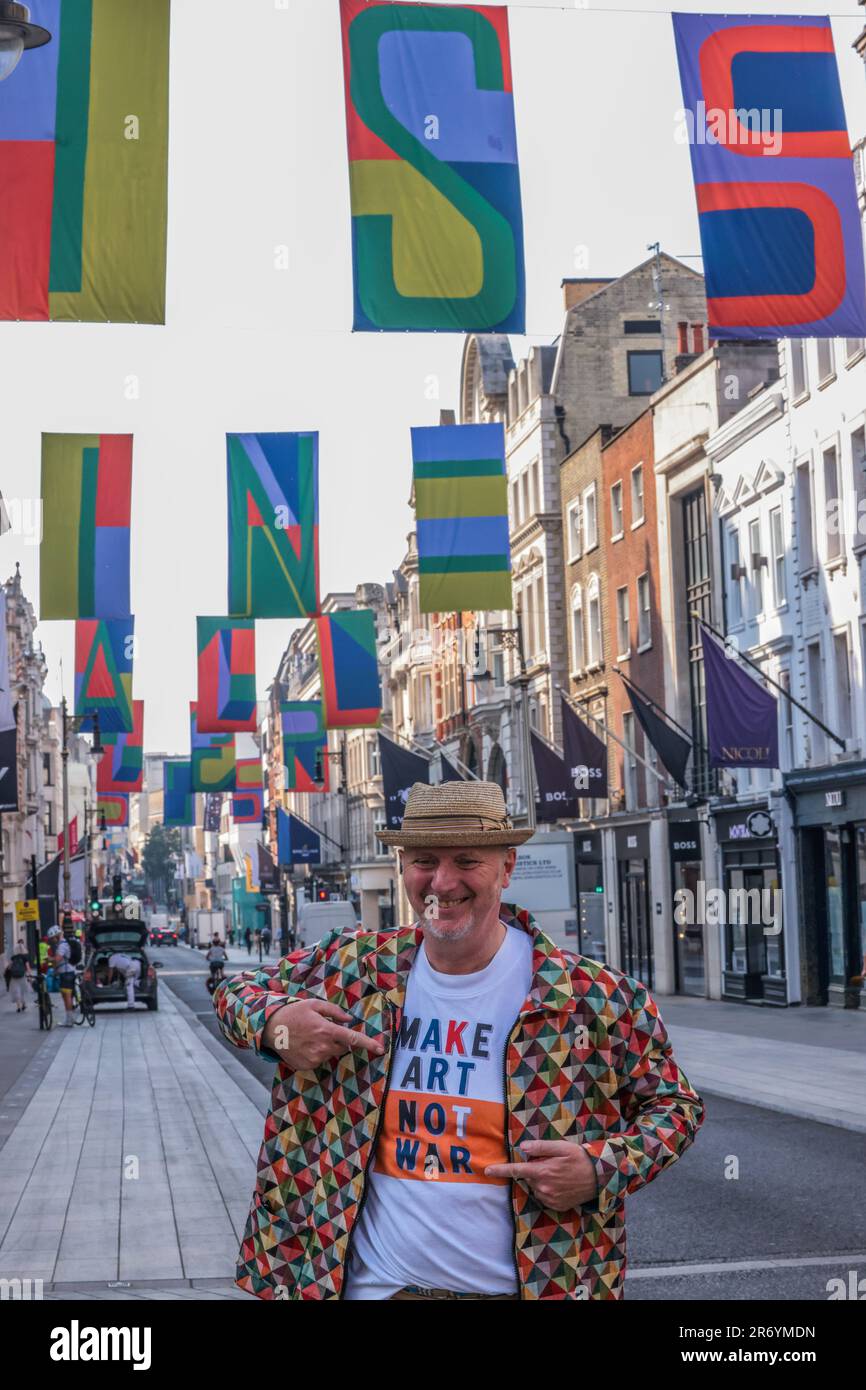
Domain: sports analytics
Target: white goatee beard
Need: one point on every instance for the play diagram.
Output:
(432, 928)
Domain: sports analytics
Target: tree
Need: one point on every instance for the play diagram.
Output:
(157, 860)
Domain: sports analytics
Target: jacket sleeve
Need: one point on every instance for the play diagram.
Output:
(245, 1002)
(662, 1112)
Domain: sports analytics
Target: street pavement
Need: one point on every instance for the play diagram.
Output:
(127, 1152)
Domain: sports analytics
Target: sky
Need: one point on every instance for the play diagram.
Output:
(257, 163)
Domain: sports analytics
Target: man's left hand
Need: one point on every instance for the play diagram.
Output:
(560, 1175)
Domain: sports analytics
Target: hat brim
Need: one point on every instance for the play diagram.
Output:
(431, 839)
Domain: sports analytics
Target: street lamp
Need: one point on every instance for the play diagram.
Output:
(16, 34)
(512, 640)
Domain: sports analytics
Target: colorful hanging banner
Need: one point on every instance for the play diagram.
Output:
(212, 756)
(84, 555)
(437, 227)
(226, 675)
(771, 159)
(83, 166)
(461, 506)
(248, 798)
(742, 717)
(213, 805)
(103, 673)
(114, 806)
(273, 524)
(178, 799)
(121, 769)
(351, 693)
(305, 744)
(8, 723)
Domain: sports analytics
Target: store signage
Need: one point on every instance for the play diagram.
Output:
(834, 798)
(685, 840)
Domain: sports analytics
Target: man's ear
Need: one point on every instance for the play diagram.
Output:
(508, 868)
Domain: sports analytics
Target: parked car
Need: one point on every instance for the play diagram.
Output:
(103, 940)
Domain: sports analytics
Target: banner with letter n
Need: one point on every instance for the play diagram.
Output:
(121, 769)
(742, 717)
(774, 179)
(273, 525)
(437, 226)
(461, 509)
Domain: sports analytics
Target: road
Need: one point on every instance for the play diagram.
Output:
(786, 1224)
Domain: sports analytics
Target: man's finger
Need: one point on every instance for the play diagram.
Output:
(512, 1170)
(547, 1148)
(327, 1010)
(350, 1038)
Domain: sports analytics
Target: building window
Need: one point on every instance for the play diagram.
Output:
(47, 772)
(756, 560)
(777, 547)
(832, 499)
(498, 667)
(535, 468)
(853, 347)
(616, 521)
(575, 531)
(515, 504)
(622, 632)
(590, 518)
(858, 469)
(637, 501)
(642, 326)
(815, 671)
(379, 819)
(735, 577)
(799, 374)
(644, 616)
(843, 684)
(594, 647)
(787, 715)
(540, 634)
(825, 359)
(526, 504)
(577, 634)
(645, 373)
(805, 517)
(373, 748)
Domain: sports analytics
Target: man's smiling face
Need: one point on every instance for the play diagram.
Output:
(465, 885)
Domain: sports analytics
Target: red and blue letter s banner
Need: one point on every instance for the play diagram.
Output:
(777, 204)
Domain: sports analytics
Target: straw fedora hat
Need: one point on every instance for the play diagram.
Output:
(455, 813)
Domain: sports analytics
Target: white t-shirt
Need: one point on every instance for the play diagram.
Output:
(430, 1216)
(123, 963)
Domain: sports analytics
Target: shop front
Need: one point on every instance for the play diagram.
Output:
(635, 925)
(687, 875)
(830, 820)
(750, 908)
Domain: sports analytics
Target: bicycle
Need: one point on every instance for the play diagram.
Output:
(46, 1012)
(82, 1003)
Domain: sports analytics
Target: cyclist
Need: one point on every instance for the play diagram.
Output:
(216, 957)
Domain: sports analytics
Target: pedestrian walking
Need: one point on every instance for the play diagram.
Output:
(20, 975)
(266, 939)
(450, 1174)
(130, 969)
(248, 938)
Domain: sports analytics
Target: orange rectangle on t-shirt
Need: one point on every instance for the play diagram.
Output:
(441, 1138)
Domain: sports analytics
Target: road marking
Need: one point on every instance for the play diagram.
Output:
(743, 1266)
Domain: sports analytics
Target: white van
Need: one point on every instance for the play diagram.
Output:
(315, 920)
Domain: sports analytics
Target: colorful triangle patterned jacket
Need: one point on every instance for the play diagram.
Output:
(588, 1059)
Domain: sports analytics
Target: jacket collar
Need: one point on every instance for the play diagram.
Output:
(551, 989)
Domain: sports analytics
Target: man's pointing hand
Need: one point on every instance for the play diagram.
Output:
(309, 1032)
(559, 1174)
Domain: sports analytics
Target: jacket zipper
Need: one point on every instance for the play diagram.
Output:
(373, 1147)
(510, 1155)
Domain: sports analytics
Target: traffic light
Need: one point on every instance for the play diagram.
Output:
(94, 900)
(322, 895)
(318, 771)
(117, 893)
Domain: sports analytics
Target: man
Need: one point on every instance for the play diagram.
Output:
(474, 1131)
(20, 974)
(216, 956)
(64, 970)
(130, 969)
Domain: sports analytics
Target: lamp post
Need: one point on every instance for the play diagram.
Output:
(340, 757)
(512, 640)
(71, 724)
(16, 35)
